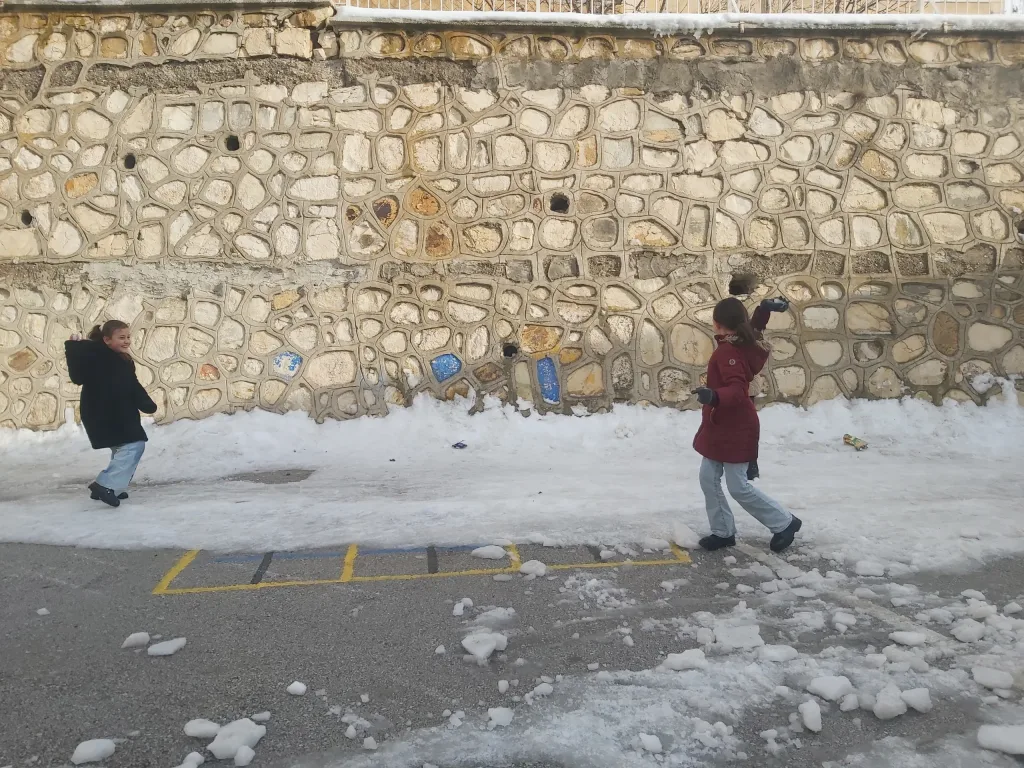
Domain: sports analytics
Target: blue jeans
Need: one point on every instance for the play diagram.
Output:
(762, 507)
(123, 461)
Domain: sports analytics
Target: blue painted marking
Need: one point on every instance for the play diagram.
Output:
(445, 366)
(547, 375)
(287, 364)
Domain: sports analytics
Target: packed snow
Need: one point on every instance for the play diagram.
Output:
(1002, 738)
(901, 503)
(93, 751)
(167, 647)
(136, 640)
(830, 687)
(235, 735)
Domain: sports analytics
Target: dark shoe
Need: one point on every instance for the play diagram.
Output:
(712, 542)
(106, 495)
(782, 539)
(752, 471)
(122, 495)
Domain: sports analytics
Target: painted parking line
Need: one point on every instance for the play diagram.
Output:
(352, 553)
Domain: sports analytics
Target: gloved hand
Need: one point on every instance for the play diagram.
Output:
(706, 396)
(776, 305)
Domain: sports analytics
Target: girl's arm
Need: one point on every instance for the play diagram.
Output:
(759, 320)
(79, 355)
(142, 399)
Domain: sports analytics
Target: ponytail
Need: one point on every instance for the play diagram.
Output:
(105, 331)
(732, 315)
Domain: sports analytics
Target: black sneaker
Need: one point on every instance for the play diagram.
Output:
(712, 542)
(122, 495)
(106, 495)
(782, 539)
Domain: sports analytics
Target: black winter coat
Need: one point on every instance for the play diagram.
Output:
(111, 394)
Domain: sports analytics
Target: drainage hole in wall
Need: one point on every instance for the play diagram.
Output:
(558, 203)
(232, 144)
(129, 161)
(26, 218)
(742, 284)
(509, 350)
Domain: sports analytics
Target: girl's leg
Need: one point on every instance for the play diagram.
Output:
(763, 507)
(123, 461)
(723, 524)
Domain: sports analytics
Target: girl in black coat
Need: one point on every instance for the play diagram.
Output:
(110, 402)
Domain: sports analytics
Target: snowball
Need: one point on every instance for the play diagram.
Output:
(992, 678)
(244, 755)
(849, 703)
(499, 717)
(260, 717)
(968, 631)
(684, 536)
(369, 743)
(691, 659)
(240, 733)
(830, 687)
(533, 568)
(297, 689)
(136, 640)
(201, 729)
(913, 639)
(490, 552)
(650, 743)
(869, 568)
(167, 647)
(779, 653)
(889, 704)
(810, 712)
(918, 699)
(1002, 738)
(93, 751)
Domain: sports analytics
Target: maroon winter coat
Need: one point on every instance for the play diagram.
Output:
(729, 432)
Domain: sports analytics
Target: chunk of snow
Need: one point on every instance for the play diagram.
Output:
(244, 755)
(482, 644)
(968, 631)
(544, 689)
(830, 687)
(864, 593)
(136, 640)
(297, 689)
(239, 733)
(440, 650)
(201, 728)
(503, 686)
(690, 659)
(650, 743)
(42, 612)
(658, 545)
(674, 584)
(365, 698)
(260, 717)
(810, 713)
(779, 653)
(369, 743)
(845, 618)
(498, 717)
(502, 577)
(685, 537)
(167, 647)
(889, 703)
(912, 639)
(992, 678)
(533, 568)
(918, 699)
(869, 568)
(973, 594)
(594, 666)
(490, 552)
(849, 703)
(608, 554)
(350, 732)
(1011, 609)
(193, 760)
(1002, 738)
(740, 637)
(93, 751)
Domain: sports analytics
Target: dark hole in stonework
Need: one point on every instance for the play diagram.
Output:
(26, 218)
(232, 144)
(559, 203)
(509, 350)
(1020, 230)
(742, 284)
(129, 161)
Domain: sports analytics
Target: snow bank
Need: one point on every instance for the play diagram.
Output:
(921, 458)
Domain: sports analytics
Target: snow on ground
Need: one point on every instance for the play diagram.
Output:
(623, 477)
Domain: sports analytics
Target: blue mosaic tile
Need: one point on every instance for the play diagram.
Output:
(287, 364)
(445, 366)
(547, 375)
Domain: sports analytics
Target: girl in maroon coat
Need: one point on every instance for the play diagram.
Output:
(730, 430)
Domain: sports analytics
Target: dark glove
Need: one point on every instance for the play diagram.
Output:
(752, 471)
(776, 305)
(706, 396)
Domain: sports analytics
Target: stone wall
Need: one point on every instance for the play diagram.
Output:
(300, 215)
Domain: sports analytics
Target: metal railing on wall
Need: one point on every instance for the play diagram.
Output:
(616, 7)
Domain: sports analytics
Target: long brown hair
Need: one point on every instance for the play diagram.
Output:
(106, 331)
(732, 315)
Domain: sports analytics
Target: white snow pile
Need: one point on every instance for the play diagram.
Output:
(889, 703)
(684, 536)
(93, 751)
(830, 687)
(136, 640)
(1002, 738)
(201, 729)
(690, 659)
(499, 717)
(235, 735)
(778, 653)
(461, 605)
(490, 552)
(244, 755)
(192, 760)
(739, 631)
(912, 639)
(534, 568)
(480, 645)
(649, 743)
(992, 678)
(297, 689)
(167, 647)
(810, 713)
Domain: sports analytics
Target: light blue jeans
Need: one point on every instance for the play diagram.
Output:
(123, 461)
(762, 507)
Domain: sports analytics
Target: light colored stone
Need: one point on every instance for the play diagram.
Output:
(720, 125)
(909, 349)
(824, 354)
(928, 374)
(791, 380)
(690, 345)
(985, 337)
(821, 318)
(945, 227)
(623, 115)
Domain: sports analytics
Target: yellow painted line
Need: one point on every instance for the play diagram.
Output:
(183, 562)
(249, 587)
(350, 562)
(513, 553)
(612, 564)
(411, 576)
(681, 554)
